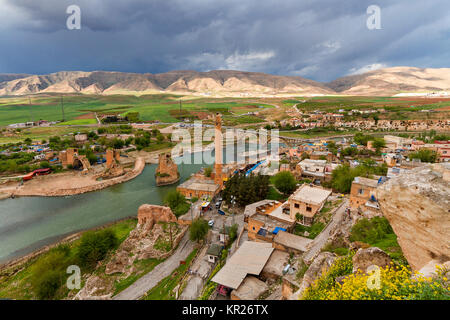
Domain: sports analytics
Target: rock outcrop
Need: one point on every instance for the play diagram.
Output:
(319, 266)
(364, 258)
(417, 205)
(167, 171)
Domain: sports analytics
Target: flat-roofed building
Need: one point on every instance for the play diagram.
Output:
(306, 202)
(362, 194)
(198, 188)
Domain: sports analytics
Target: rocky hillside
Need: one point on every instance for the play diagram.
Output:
(384, 82)
(417, 205)
(220, 82)
(391, 81)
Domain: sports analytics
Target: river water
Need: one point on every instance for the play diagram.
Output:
(29, 223)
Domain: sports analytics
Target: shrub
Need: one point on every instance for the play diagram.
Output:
(395, 283)
(94, 246)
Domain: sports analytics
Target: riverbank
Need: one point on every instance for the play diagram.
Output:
(68, 183)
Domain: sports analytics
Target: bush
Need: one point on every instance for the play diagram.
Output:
(285, 182)
(49, 272)
(394, 284)
(424, 155)
(94, 246)
(177, 203)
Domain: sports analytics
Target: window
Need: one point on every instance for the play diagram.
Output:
(361, 191)
(296, 205)
(309, 209)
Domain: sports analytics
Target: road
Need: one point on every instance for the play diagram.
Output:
(162, 270)
(320, 241)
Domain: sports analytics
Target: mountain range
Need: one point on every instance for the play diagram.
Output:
(382, 82)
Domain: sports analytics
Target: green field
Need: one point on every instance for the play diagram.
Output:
(79, 109)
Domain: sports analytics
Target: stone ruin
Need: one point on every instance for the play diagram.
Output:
(140, 242)
(167, 171)
(71, 157)
(113, 167)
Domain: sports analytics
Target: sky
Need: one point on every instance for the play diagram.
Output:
(316, 39)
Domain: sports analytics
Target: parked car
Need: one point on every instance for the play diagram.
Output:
(211, 223)
(218, 203)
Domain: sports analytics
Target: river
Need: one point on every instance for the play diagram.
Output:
(29, 223)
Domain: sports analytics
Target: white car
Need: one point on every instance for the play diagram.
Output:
(210, 223)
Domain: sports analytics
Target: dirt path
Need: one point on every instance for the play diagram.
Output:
(162, 270)
(323, 237)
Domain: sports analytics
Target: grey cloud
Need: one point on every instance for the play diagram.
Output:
(321, 39)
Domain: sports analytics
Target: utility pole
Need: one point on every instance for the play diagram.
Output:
(31, 115)
(180, 105)
(62, 108)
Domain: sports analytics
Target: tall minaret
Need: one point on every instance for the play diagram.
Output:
(218, 143)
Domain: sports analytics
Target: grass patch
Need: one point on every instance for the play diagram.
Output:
(18, 285)
(164, 289)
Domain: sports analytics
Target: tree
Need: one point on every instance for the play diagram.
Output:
(342, 178)
(285, 182)
(246, 189)
(362, 139)
(177, 203)
(198, 229)
(208, 172)
(424, 155)
(379, 143)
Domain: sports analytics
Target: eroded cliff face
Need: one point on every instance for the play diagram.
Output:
(417, 205)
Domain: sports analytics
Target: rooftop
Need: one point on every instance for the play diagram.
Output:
(214, 249)
(311, 195)
(293, 241)
(199, 185)
(251, 288)
(250, 258)
(366, 182)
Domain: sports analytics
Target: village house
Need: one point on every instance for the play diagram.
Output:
(246, 272)
(362, 194)
(306, 202)
(214, 252)
(266, 218)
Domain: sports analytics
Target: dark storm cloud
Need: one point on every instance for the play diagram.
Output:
(318, 39)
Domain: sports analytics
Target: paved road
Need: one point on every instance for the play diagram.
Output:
(323, 237)
(162, 270)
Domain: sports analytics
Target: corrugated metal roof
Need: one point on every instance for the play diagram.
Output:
(250, 258)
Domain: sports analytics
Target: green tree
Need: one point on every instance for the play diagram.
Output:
(177, 202)
(198, 229)
(285, 182)
(379, 143)
(208, 171)
(424, 155)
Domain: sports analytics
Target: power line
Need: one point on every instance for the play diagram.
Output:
(62, 108)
